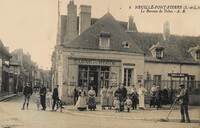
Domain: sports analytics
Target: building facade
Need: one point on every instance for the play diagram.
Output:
(107, 52)
(4, 70)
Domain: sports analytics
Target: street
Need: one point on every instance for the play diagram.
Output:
(11, 116)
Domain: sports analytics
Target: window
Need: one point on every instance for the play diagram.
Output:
(125, 44)
(157, 79)
(198, 55)
(104, 39)
(104, 42)
(158, 54)
(127, 76)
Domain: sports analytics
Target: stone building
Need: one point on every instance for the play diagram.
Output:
(4, 70)
(104, 52)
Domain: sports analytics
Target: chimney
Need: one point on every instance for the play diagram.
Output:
(130, 26)
(72, 31)
(84, 18)
(166, 31)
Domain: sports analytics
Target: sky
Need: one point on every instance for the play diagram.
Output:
(32, 24)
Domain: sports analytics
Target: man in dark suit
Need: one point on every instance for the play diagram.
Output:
(56, 100)
(183, 99)
(27, 94)
(43, 91)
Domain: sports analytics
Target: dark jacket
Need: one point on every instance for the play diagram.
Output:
(43, 91)
(124, 92)
(27, 91)
(75, 92)
(55, 93)
(118, 93)
(183, 97)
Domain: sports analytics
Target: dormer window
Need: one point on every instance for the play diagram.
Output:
(195, 52)
(157, 51)
(125, 44)
(198, 55)
(104, 40)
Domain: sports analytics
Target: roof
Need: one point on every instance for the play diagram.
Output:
(89, 38)
(4, 51)
(175, 50)
(63, 26)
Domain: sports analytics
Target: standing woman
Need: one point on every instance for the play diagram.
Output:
(110, 97)
(141, 92)
(81, 103)
(91, 99)
(104, 98)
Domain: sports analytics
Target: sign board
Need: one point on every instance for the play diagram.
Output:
(103, 62)
(178, 75)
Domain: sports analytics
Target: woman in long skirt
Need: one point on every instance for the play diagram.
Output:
(81, 103)
(110, 97)
(141, 92)
(104, 98)
(91, 99)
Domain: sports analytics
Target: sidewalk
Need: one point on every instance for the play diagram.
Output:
(6, 97)
(149, 114)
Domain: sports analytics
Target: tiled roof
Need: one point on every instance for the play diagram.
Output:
(63, 28)
(89, 38)
(175, 50)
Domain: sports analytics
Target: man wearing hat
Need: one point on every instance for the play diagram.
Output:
(27, 92)
(183, 99)
(56, 100)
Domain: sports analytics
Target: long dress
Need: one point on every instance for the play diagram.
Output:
(110, 97)
(91, 100)
(104, 102)
(141, 92)
(81, 103)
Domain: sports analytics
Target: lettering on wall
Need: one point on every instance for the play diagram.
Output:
(95, 62)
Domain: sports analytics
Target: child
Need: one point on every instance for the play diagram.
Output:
(128, 103)
(49, 99)
(37, 95)
(134, 99)
(117, 104)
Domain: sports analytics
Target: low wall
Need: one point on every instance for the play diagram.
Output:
(194, 99)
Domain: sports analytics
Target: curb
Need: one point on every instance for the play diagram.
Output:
(7, 97)
(155, 119)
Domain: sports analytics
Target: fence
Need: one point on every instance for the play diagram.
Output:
(191, 85)
(172, 86)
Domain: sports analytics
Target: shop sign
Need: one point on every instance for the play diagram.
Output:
(179, 75)
(96, 62)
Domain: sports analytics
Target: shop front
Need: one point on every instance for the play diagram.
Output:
(95, 73)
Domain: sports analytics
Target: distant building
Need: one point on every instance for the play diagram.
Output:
(104, 52)
(4, 70)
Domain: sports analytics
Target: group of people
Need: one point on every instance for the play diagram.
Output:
(42, 97)
(158, 96)
(120, 99)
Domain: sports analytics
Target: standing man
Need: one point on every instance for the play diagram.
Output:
(27, 94)
(56, 100)
(75, 95)
(183, 99)
(43, 91)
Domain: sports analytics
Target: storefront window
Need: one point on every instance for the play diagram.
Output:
(96, 76)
